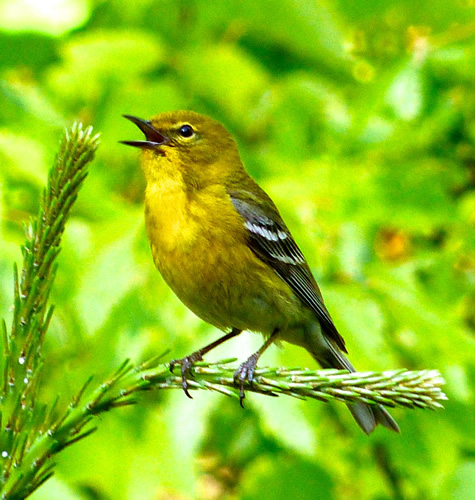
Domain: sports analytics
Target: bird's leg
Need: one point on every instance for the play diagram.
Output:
(187, 362)
(246, 370)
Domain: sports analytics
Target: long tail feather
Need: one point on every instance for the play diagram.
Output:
(366, 416)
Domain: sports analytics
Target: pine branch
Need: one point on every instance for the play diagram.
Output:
(22, 418)
(397, 388)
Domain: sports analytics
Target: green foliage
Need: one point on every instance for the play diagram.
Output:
(359, 119)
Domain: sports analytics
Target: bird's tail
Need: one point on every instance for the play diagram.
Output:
(366, 416)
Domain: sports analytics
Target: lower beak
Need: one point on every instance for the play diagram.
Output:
(153, 136)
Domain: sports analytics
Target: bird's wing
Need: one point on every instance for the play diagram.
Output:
(272, 242)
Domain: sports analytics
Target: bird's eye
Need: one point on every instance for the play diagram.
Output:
(186, 131)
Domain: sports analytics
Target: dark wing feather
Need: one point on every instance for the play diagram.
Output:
(272, 242)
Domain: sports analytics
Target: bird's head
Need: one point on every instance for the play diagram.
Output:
(187, 143)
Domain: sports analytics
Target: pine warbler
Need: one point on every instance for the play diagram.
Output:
(221, 245)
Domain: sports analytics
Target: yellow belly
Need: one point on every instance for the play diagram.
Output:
(199, 247)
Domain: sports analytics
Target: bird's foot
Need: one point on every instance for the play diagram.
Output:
(186, 364)
(244, 373)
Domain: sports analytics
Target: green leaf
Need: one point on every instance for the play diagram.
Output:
(288, 477)
(112, 272)
(211, 80)
(406, 93)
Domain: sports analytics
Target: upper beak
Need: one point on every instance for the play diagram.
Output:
(153, 136)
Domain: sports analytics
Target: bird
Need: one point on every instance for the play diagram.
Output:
(222, 246)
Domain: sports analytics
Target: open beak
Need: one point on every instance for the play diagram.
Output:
(153, 136)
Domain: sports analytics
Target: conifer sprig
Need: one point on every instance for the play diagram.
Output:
(22, 418)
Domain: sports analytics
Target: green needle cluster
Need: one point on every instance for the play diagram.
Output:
(22, 418)
(402, 388)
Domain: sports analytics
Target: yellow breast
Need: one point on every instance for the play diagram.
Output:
(167, 217)
(199, 246)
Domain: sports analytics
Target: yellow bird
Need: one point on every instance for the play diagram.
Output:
(221, 245)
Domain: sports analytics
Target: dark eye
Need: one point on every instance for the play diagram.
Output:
(186, 131)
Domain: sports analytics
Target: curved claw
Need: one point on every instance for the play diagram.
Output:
(186, 364)
(244, 373)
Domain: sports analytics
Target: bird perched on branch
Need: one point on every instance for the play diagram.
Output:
(221, 245)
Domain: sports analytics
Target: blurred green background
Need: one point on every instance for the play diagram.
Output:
(358, 118)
